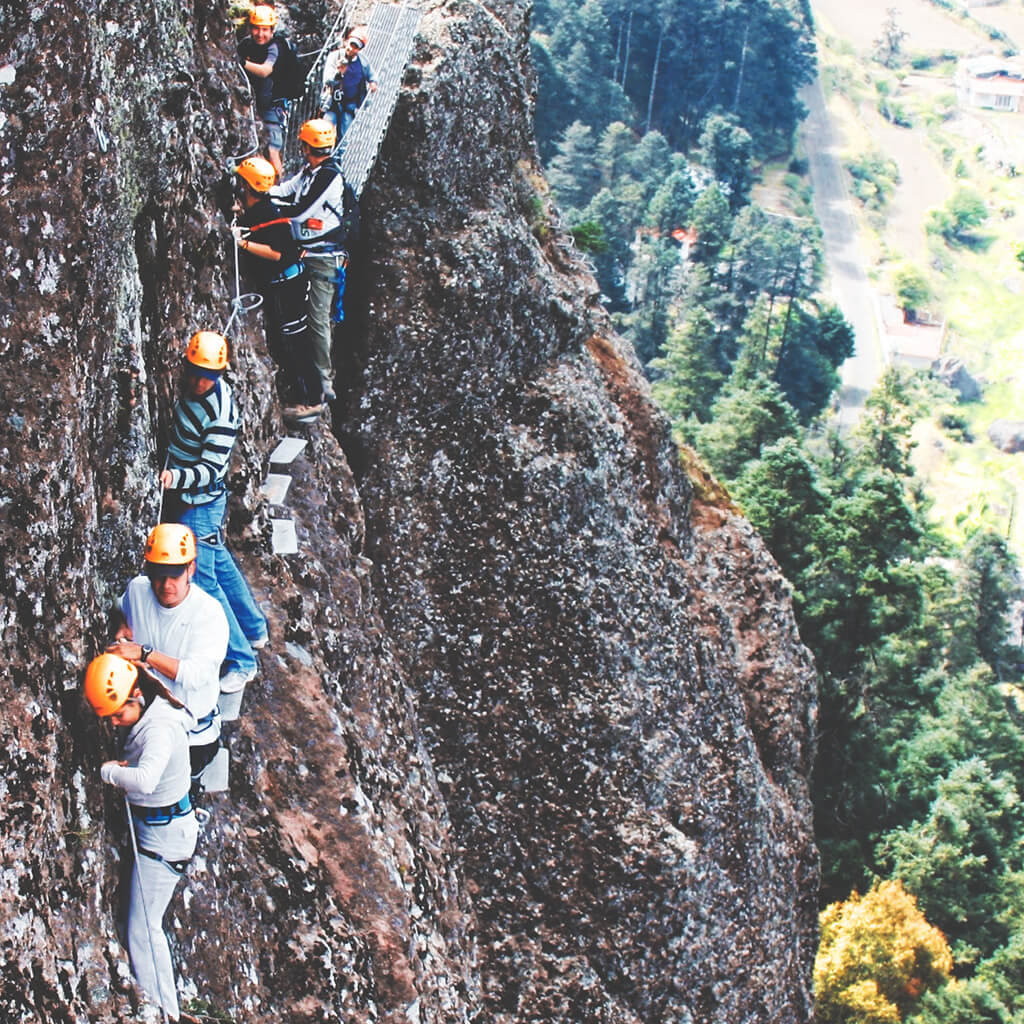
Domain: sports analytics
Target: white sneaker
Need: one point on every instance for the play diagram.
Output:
(234, 680)
(258, 645)
(202, 815)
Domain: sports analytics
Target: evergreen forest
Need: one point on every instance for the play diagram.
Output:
(654, 123)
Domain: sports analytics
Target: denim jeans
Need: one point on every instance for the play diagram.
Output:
(218, 574)
(273, 122)
(348, 115)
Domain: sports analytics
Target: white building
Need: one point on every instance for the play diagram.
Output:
(991, 82)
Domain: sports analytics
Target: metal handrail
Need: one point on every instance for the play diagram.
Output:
(308, 104)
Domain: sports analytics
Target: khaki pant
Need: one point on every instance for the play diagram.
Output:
(321, 270)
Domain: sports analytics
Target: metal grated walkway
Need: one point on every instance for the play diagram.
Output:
(392, 29)
(308, 104)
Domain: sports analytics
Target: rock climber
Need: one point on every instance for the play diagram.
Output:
(271, 261)
(154, 773)
(344, 94)
(203, 432)
(325, 217)
(179, 633)
(258, 52)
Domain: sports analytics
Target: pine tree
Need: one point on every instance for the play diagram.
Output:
(614, 152)
(573, 174)
(672, 204)
(726, 150)
(747, 417)
(688, 371)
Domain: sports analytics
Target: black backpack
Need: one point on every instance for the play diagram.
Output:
(289, 78)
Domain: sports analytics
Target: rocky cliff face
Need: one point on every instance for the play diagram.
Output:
(533, 737)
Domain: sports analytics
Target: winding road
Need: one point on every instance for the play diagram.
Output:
(843, 259)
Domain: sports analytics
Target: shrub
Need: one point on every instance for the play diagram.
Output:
(874, 178)
(589, 236)
(956, 424)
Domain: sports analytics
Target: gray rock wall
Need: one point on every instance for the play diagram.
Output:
(533, 737)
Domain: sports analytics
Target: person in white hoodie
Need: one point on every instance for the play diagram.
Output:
(154, 773)
(179, 632)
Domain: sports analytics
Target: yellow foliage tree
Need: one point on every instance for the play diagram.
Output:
(877, 956)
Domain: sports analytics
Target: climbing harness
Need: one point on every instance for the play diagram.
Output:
(161, 815)
(145, 909)
(289, 272)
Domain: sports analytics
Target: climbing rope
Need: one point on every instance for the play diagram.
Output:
(243, 302)
(234, 161)
(160, 510)
(145, 909)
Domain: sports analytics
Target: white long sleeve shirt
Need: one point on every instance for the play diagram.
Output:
(156, 749)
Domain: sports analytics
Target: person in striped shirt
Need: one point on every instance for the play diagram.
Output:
(203, 432)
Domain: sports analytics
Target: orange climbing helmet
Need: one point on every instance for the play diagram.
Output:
(318, 134)
(359, 36)
(109, 681)
(207, 351)
(263, 16)
(170, 547)
(258, 174)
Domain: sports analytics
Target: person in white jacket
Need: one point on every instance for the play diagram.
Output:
(324, 213)
(179, 632)
(154, 773)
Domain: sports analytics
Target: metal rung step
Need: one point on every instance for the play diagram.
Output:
(285, 540)
(287, 450)
(215, 774)
(275, 487)
(230, 705)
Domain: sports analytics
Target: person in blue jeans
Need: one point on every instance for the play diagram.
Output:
(203, 433)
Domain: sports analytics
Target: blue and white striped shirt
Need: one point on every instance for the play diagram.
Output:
(202, 436)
